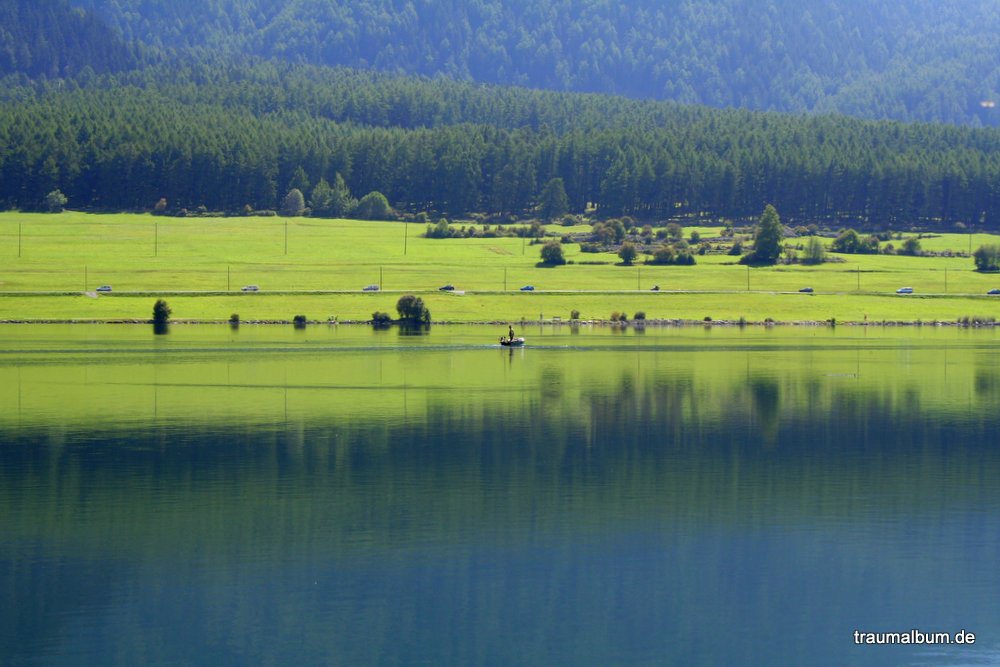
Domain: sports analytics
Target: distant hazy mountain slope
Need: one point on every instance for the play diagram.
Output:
(47, 37)
(932, 60)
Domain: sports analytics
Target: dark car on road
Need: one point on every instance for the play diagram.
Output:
(447, 288)
(528, 288)
(806, 290)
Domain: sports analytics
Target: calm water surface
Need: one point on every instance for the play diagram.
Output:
(346, 497)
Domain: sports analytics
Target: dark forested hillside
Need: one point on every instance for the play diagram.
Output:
(231, 137)
(928, 60)
(48, 38)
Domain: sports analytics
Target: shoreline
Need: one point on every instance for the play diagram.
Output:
(637, 324)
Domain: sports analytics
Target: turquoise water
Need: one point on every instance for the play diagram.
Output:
(343, 496)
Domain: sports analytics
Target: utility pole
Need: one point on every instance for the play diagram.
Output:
(19, 239)
(228, 272)
(505, 279)
(86, 279)
(380, 274)
(858, 272)
(156, 239)
(406, 236)
(286, 237)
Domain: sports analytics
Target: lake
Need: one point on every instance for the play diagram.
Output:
(337, 495)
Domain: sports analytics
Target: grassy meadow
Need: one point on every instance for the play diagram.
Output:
(50, 266)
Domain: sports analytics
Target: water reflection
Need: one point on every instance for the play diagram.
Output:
(662, 503)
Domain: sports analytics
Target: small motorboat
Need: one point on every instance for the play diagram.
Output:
(512, 342)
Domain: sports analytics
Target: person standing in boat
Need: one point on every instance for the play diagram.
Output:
(510, 331)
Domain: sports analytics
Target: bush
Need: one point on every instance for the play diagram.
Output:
(234, 319)
(664, 256)
(161, 317)
(667, 256)
(685, 259)
(380, 319)
(552, 254)
(161, 312)
(849, 242)
(987, 258)
(976, 321)
(55, 201)
(640, 315)
(293, 204)
(412, 310)
(911, 246)
(574, 314)
(373, 206)
(814, 253)
(441, 230)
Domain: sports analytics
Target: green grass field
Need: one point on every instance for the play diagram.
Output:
(51, 265)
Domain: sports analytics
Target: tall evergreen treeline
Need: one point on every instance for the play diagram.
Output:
(226, 136)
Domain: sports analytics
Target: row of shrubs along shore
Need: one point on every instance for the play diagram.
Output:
(964, 321)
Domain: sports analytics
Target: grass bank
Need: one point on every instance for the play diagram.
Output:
(51, 265)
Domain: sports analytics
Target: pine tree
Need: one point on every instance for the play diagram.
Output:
(553, 202)
(767, 239)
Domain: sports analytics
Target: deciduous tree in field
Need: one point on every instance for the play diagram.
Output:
(628, 253)
(412, 310)
(294, 203)
(987, 258)
(552, 254)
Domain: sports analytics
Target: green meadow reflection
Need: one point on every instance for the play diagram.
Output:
(351, 497)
